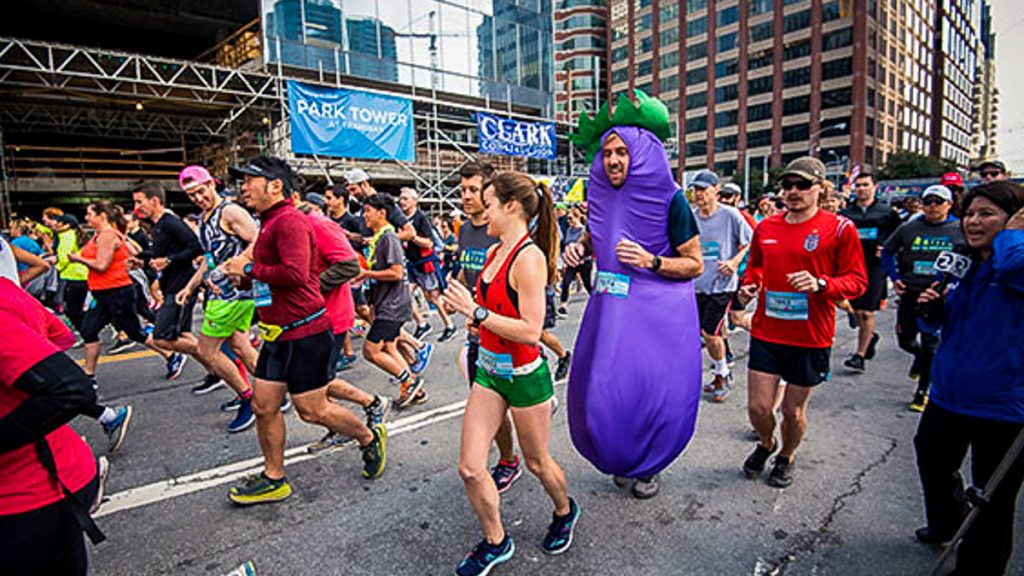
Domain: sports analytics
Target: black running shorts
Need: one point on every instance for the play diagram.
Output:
(384, 331)
(172, 320)
(713, 308)
(550, 308)
(302, 364)
(796, 365)
(872, 298)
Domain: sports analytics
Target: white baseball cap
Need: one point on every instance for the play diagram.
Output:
(356, 176)
(938, 190)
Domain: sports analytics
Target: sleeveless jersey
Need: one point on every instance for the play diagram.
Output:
(498, 297)
(116, 275)
(219, 245)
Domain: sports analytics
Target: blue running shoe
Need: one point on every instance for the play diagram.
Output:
(118, 427)
(422, 359)
(175, 365)
(244, 418)
(345, 362)
(560, 531)
(286, 404)
(484, 557)
(231, 405)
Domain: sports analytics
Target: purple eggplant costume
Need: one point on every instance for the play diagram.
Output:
(635, 383)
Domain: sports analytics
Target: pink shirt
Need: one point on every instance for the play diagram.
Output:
(333, 246)
(31, 334)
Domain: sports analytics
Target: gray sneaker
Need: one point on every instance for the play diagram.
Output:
(330, 440)
(102, 472)
(377, 412)
(645, 488)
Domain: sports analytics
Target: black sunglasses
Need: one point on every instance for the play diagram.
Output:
(933, 201)
(990, 173)
(799, 184)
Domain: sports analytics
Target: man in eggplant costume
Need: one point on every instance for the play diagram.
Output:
(636, 374)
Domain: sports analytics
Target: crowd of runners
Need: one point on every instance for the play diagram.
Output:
(290, 277)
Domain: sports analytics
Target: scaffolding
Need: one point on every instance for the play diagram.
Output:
(107, 94)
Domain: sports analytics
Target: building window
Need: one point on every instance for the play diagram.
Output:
(696, 27)
(796, 77)
(796, 105)
(728, 16)
(727, 41)
(762, 31)
(645, 22)
(726, 118)
(645, 68)
(760, 85)
(796, 133)
(830, 11)
(669, 60)
(620, 54)
(837, 39)
(726, 167)
(726, 93)
(837, 68)
(761, 7)
(760, 60)
(668, 84)
(836, 98)
(696, 51)
(796, 21)
(727, 68)
(694, 5)
(759, 112)
(696, 76)
(725, 144)
(759, 138)
(797, 49)
(697, 100)
(621, 75)
(669, 37)
(670, 12)
(696, 124)
(647, 45)
(696, 148)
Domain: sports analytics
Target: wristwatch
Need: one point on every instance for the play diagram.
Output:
(480, 314)
(656, 264)
(822, 283)
(247, 269)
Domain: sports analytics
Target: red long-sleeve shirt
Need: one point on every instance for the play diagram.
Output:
(828, 247)
(284, 257)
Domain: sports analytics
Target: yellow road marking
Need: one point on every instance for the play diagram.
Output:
(122, 357)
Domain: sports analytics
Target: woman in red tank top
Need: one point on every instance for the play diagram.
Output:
(511, 374)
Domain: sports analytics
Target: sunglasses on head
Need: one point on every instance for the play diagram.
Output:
(799, 184)
(933, 201)
(990, 173)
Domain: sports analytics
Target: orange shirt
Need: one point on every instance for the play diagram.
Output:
(116, 276)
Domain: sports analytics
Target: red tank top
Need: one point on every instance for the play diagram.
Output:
(116, 275)
(499, 297)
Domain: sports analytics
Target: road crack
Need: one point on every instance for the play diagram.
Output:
(806, 542)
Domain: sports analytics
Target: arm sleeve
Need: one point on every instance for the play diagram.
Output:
(338, 274)
(851, 279)
(292, 241)
(890, 265)
(1008, 258)
(681, 224)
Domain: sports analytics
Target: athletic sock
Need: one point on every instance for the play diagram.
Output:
(108, 415)
(719, 367)
(247, 395)
(402, 376)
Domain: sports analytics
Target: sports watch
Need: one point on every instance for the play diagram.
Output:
(822, 283)
(247, 269)
(480, 314)
(656, 264)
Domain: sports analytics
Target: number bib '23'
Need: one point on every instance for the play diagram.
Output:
(612, 284)
(499, 365)
(786, 305)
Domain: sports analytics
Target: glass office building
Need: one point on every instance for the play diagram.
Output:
(500, 50)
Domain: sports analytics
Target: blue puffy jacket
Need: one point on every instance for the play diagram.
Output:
(979, 366)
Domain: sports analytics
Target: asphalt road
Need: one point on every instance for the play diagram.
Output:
(852, 509)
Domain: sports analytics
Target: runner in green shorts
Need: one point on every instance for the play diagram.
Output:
(222, 318)
(522, 390)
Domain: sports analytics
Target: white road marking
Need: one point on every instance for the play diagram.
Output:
(175, 487)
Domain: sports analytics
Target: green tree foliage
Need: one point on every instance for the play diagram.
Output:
(909, 165)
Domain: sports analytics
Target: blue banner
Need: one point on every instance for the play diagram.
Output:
(350, 124)
(514, 138)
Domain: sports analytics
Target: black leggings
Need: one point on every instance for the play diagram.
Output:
(47, 541)
(907, 332)
(75, 292)
(570, 274)
(942, 441)
(114, 306)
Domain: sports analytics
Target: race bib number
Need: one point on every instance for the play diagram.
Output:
(786, 305)
(261, 294)
(710, 250)
(499, 365)
(867, 233)
(616, 285)
(924, 268)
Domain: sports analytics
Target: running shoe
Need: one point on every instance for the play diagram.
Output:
(872, 346)
(754, 465)
(246, 569)
(919, 402)
(118, 427)
(345, 362)
(562, 369)
(286, 403)
(409, 390)
(210, 383)
(359, 330)
(422, 330)
(855, 363)
(915, 370)
(422, 359)
(621, 481)
(330, 440)
(244, 418)
(781, 475)
(258, 489)
(559, 536)
(924, 535)
(122, 345)
(562, 312)
(851, 321)
(102, 472)
(448, 333)
(231, 405)
(505, 473)
(375, 453)
(175, 365)
(419, 398)
(730, 358)
(645, 488)
(722, 387)
(485, 556)
(555, 405)
(91, 378)
(377, 412)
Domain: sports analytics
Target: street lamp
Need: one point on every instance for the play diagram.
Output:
(810, 144)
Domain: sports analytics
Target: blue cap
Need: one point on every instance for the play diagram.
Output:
(705, 178)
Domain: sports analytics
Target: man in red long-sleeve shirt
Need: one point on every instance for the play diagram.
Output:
(296, 329)
(802, 261)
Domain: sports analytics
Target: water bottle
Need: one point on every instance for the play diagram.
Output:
(220, 280)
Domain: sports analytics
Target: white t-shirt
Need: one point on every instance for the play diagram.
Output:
(8, 265)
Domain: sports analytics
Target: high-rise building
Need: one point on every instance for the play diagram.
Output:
(851, 81)
(986, 95)
(957, 44)
(372, 49)
(581, 48)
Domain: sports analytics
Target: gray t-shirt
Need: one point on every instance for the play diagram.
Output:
(390, 300)
(721, 236)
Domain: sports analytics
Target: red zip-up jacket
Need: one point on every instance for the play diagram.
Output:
(284, 257)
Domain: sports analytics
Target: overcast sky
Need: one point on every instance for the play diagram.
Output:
(1008, 22)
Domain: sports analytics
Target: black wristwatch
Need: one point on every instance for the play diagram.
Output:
(247, 269)
(480, 314)
(656, 264)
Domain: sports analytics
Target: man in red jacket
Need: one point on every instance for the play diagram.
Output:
(802, 261)
(296, 331)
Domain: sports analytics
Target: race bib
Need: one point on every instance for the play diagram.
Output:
(499, 365)
(261, 294)
(786, 305)
(867, 233)
(613, 284)
(924, 268)
(710, 250)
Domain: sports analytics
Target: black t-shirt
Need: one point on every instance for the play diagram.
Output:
(173, 239)
(874, 225)
(424, 229)
(350, 223)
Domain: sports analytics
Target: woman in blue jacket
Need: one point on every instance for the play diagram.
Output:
(977, 398)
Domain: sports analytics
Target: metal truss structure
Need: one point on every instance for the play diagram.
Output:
(109, 123)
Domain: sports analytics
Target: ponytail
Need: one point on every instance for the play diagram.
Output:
(545, 232)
